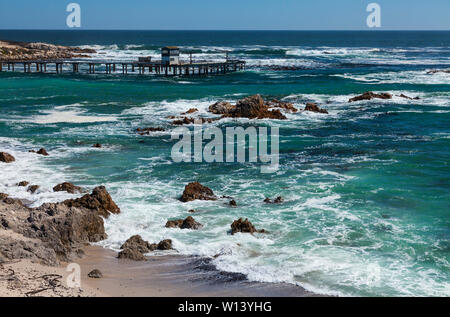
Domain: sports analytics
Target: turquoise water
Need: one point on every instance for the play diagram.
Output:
(366, 188)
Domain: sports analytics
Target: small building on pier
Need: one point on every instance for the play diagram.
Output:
(170, 55)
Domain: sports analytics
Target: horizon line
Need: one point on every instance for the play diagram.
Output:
(241, 30)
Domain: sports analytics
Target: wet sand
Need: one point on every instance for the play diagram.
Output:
(172, 276)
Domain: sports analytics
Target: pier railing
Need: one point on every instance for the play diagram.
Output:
(122, 67)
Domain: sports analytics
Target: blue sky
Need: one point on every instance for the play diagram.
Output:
(226, 14)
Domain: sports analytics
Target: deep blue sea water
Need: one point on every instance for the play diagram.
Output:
(366, 188)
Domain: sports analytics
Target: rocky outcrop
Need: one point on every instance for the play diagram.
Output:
(49, 234)
(99, 200)
(277, 200)
(147, 131)
(135, 248)
(6, 157)
(188, 223)
(233, 203)
(313, 107)
(370, 95)
(436, 71)
(190, 120)
(196, 191)
(40, 152)
(289, 107)
(20, 51)
(253, 107)
(67, 187)
(222, 107)
(95, 274)
(33, 188)
(23, 184)
(244, 226)
(97, 146)
(192, 110)
(407, 97)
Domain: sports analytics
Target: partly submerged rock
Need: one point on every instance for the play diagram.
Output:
(23, 184)
(6, 157)
(371, 95)
(313, 107)
(407, 97)
(147, 131)
(165, 245)
(244, 226)
(99, 200)
(188, 223)
(67, 187)
(33, 188)
(277, 200)
(42, 152)
(274, 103)
(221, 107)
(253, 107)
(233, 203)
(95, 274)
(435, 71)
(192, 110)
(97, 146)
(196, 191)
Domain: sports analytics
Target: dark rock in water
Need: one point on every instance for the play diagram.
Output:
(67, 187)
(244, 226)
(192, 110)
(285, 68)
(3, 196)
(95, 274)
(233, 203)
(222, 107)
(192, 211)
(196, 191)
(131, 254)
(165, 245)
(33, 188)
(23, 184)
(407, 97)
(313, 107)
(283, 105)
(6, 157)
(188, 223)
(136, 242)
(277, 200)
(97, 146)
(188, 120)
(371, 95)
(146, 131)
(253, 107)
(99, 200)
(42, 152)
(435, 71)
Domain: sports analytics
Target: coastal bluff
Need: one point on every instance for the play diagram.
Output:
(23, 51)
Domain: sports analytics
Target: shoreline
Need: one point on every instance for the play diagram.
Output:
(172, 276)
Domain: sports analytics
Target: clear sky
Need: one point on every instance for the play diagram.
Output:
(226, 14)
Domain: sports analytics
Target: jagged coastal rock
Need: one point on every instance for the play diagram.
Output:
(99, 200)
(67, 187)
(95, 274)
(6, 157)
(135, 248)
(244, 226)
(371, 95)
(188, 223)
(50, 234)
(313, 107)
(21, 51)
(196, 191)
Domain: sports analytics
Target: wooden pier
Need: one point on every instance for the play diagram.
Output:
(122, 67)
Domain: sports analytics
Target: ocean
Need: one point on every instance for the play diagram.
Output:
(366, 188)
